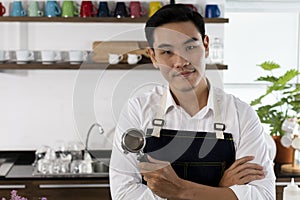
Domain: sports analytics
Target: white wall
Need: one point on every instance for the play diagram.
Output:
(41, 107)
(259, 37)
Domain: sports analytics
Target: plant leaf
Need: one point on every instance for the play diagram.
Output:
(289, 75)
(271, 79)
(286, 95)
(257, 101)
(269, 65)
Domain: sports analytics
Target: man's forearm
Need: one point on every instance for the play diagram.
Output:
(194, 191)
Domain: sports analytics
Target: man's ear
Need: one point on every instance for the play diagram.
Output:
(206, 45)
(151, 53)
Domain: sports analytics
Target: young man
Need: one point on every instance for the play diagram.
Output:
(201, 143)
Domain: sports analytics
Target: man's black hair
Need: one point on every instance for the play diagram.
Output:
(173, 13)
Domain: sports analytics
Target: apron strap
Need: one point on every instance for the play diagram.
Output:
(158, 122)
(219, 126)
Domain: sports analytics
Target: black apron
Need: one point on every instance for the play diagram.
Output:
(200, 157)
(195, 156)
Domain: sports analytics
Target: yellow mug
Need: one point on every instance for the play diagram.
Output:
(153, 7)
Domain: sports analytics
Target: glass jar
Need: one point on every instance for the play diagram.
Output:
(216, 51)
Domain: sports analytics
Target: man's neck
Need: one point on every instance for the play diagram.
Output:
(194, 100)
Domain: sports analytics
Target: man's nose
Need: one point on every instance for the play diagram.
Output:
(180, 61)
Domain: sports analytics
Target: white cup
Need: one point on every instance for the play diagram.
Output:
(77, 56)
(49, 56)
(114, 58)
(24, 56)
(296, 143)
(290, 125)
(133, 58)
(286, 140)
(4, 55)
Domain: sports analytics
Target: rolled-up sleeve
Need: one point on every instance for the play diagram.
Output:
(125, 178)
(252, 142)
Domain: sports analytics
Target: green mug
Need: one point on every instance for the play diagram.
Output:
(33, 9)
(69, 9)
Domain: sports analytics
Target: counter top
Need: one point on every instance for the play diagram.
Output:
(280, 174)
(27, 172)
(20, 166)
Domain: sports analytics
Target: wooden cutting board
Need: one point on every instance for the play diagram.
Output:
(101, 49)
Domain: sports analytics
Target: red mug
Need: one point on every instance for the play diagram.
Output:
(88, 9)
(2, 9)
(136, 9)
(192, 7)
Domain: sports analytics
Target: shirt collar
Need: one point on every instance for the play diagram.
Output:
(170, 102)
(210, 100)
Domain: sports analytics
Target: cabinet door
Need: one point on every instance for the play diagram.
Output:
(7, 186)
(72, 190)
(279, 192)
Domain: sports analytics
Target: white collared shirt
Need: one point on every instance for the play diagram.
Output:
(240, 120)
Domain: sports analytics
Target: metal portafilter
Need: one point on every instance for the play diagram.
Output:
(134, 141)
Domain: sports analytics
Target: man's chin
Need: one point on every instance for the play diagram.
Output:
(184, 87)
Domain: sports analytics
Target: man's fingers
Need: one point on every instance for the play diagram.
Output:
(150, 167)
(241, 161)
(251, 172)
(250, 178)
(248, 166)
(153, 160)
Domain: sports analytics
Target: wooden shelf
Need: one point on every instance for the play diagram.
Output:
(93, 19)
(91, 66)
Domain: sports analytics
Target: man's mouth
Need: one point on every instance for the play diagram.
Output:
(185, 73)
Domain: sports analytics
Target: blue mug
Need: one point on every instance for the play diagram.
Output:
(52, 9)
(17, 9)
(103, 10)
(212, 11)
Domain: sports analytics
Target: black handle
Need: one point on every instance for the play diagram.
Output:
(143, 158)
(172, 1)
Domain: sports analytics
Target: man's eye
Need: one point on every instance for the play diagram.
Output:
(167, 52)
(191, 47)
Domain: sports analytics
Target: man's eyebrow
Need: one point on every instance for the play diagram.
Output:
(191, 40)
(164, 46)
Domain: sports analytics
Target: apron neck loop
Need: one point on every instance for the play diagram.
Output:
(219, 125)
(159, 121)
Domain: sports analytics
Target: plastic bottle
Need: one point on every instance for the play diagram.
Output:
(216, 51)
(291, 192)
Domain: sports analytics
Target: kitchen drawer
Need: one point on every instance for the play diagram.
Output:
(72, 189)
(67, 189)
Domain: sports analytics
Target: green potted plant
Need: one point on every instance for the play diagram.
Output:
(283, 101)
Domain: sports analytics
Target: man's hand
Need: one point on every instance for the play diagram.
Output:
(242, 172)
(161, 178)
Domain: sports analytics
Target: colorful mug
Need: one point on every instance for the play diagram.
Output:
(69, 9)
(136, 9)
(52, 9)
(88, 9)
(120, 10)
(153, 7)
(192, 7)
(2, 9)
(103, 10)
(33, 9)
(212, 11)
(17, 9)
